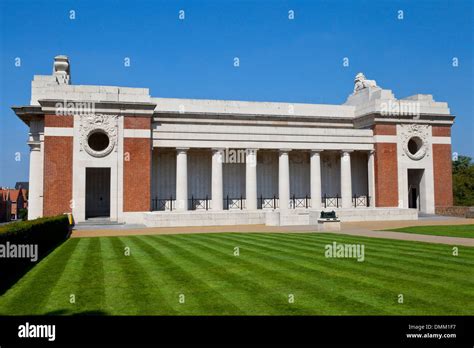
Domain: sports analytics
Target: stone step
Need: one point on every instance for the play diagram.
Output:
(94, 222)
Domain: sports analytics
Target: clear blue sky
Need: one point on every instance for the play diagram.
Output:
(296, 60)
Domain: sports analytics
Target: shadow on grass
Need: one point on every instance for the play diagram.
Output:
(71, 313)
(13, 269)
(62, 312)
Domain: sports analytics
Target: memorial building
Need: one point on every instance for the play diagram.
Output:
(119, 154)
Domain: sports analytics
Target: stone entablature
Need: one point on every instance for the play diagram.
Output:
(372, 133)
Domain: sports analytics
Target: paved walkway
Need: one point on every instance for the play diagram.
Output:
(365, 229)
(409, 236)
(102, 232)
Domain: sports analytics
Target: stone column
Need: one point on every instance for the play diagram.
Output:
(371, 178)
(315, 173)
(182, 179)
(35, 195)
(284, 179)
(217, 183)
(251, 179)
(346, 180)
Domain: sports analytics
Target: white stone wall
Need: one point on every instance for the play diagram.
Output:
(199, 174)
(299, 174)
(234, 107)
(46, 87)
(359, 171)
(330, 173)
(163, 174)
(426, 189)
(234, 180)
(177, 132)
(35, 194)
(83, 160)
(267, 174)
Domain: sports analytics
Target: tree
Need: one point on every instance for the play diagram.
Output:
(23, 214)
(463, 181)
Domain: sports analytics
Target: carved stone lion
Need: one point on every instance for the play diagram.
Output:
(360, 82)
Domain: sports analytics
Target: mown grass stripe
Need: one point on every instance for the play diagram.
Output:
(164, 273)
(222, 278)
(414, 273)
(313, 297)
(90, 296)
(360, 279)
(394, 265)
(21, 299)
(409, 262)
(199, 296)
(157, 287)
(395, 242)
(256, 295)
(311, 248)
(461, 231)
(398, 244)
(415, 280)
(132, 290)
(299, 273)
(421, 254)
(59, 298)
(405, 246)
(270, 266)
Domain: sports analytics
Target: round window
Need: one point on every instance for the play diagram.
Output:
(98, 141)
(414, 145)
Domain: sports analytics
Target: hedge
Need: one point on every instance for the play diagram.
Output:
(46, 233)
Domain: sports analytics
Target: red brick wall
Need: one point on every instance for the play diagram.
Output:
(441, 131)
(57, 175)
(386, 175)
(385, 129)
(137, 122)
(136, 174)
(137, 167)
(442, 172)
(58, 121)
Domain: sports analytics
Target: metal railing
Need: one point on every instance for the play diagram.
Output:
(336, 201)
(267, 202)
(331, 201)
(300, 202)
(360, 201)
(163, 204)
(199, 203)
(231, 203)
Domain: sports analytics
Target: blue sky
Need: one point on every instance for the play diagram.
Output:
(296, 60)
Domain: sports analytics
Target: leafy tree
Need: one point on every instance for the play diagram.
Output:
(23, 214)
(463, 181)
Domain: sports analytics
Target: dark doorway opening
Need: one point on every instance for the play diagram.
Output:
(413, 198)
(97, 192)
(415, 177)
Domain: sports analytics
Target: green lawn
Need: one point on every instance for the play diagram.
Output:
(270, 267)
(465, 231)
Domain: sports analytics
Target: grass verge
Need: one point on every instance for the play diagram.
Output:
(200, 274)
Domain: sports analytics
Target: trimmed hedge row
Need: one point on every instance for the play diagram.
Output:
(46, 233)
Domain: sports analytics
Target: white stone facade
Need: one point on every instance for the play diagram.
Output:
(232, 162)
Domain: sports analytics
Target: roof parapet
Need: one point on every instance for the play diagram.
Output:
(368, 98)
